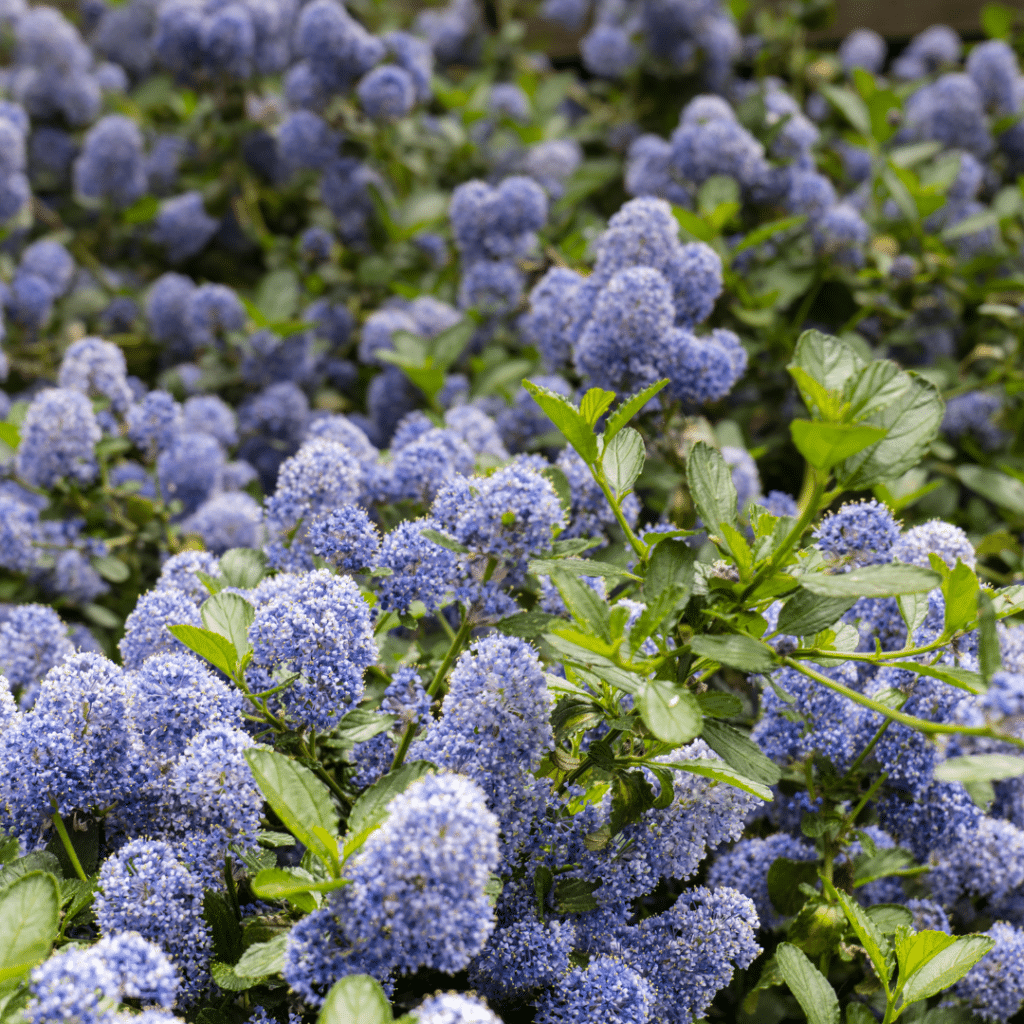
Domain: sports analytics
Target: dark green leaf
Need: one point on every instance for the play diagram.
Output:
(712, 768)
(785, 876)
(286, 884)
(766, 231)
(225, 977)
(297, 796)
(371, 808)
(631, 795)
(575, 895)
(224, 926)
(875, 944)
(670, 566)
(578, 567)
(813, 992)
(737, 651)
(356, 999)
(719, 705)
(543, 882)
(874, 387)
(740, 752)
(142, 211)
(961, 678)
(805, 614)
(243, 567)
(711, 486)
(526, 625)
(230, 615)
(360, 725)
(872, 581)
(447, 346)
(881, 865)
(630, 407)
(29, 913)
(670, 712)
(217, 650)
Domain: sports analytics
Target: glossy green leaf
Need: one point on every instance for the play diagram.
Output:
(263, 958)
(811, 988)
(737, 651)
(371, 808)
(356, 999)
(29, 915)
(825, 445)
(670, 712)
(297, 796)
(805, 614)
(217, 650)
(946, 967)
(960, 591)
(872, 581)
(739, 751)
(243, 567)
(875, 944)
(711, 768)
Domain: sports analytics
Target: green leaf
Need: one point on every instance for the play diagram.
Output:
(888, 917)
(360, 725)
(217, 650)
(111, 568)
(915, 949)
(526, 625)
(670, 566)
(229, 980)
(447, 346)
(739, 751)
(946, 967)
(805, 614)
(971, 225)
(874, 942)
(370, 810)
(710, 482)
(285, 884)
(811, 988)
(623, 459)
(142, 211)
(578, 567)
(575, 895)
(827, 360)
(230, 615)
(784, 878)
(101, 616)
(263, 958)
(693, 225)
(883, 864)
(9, 435)
(712, 768)
(889, 580)
(583, 604)
(278, 295)
(719, 705)
(961, 590)
(766, 231)
(594, 403)
(825, 445)
(445, 540)
(989, 656)
(911, 423)
(874, 387)
(671, 713)
(737, 651)
(999, 488)
(630, 407)
(914, 610)
(850, 105)
(567, 418)
(560, 483)
(243, 567)
(980, 768)
(29, 915)
(961, 678)
(357, 999)
(997, 21)
(298, 797)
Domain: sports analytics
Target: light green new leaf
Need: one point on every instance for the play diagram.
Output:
(811, 988)
(216, 649)
(623, 459)
(230, 615)
(875, 944)
(576, 430)
(594, 403)
(825, 445)
(850, 105)
(630, 407)
(829, 361)
(243, 567)
(946, 967)
(262, 958)
(961, 590)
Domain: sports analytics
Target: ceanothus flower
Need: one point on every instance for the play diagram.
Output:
(97, 368)
(860, 533)
(225, 521)
(387, 92)
(935, 537)
(33, 639)
(862, 48)
(155, 422)
(112, 164)
(189, 469)
(453, 1008)
(972, 413)
(420, 569)
(346, 538)
(211, 312)
(167, 308)
(520, 959)
(146, 888)
(994, 988)
(145, 629)
(183, 227)
(58, 436)
(320, 627)
(607, 990)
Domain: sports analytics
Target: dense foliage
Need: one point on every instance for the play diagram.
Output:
(487, 541)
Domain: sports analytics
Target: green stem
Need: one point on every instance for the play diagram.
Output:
(58, 824)
(809, 511)
(435, 684)
(863, 755)
(921, 724)
(635, 543)
(863, 802)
